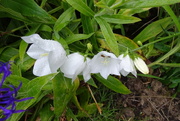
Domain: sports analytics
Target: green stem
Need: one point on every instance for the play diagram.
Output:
(174, 50)
(156, 41)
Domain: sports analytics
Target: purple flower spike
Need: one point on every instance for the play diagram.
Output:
(8, 96)
(5, 69)
(8, 112)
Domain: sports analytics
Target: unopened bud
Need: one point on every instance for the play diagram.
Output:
(141, 65)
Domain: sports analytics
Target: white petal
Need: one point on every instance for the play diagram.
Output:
(121, 57)
(56, 59)
(32, 38)
(104, 63)
(134, 73)
(123, 72)
(104, 53)
(41, 67)
(73, 66)
(86, 71)
(35, 52)
(126, 65)
(49, 45)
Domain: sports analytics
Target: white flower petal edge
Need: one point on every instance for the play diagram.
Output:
(32, 38)
(73, 66)
(141, 65)
(126, 65)
(42, 48)
(104, 63)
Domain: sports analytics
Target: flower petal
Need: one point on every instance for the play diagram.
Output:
(126, 65)
(32, 38)
(49, 45)
(41, 67)
(73, 66)
(35, 52)
(104, 63)
(56, 59)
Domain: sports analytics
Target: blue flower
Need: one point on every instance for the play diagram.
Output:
(5, 69)
(8, 95)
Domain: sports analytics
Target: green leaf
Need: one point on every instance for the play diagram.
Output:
(8, 53)
(90, 109)
(150, 76)
(70, 115)
(22, 50)
(88, 28)
(7, 12)
(147, 3)
(76, 37)
(108, 35)
(113, 84)
(63, 89)
(26, 64)
(15, 80)
(169, 64)
(120, 19)
(32, 89)
(45, 28)
(45, 113)
(81, 7)
(29, 9)
(125, 42)
(171, 52)
(173, 85)
(132, 11)
(64, 19)
(152, 30)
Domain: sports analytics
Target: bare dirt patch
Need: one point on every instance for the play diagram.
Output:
(149, 101)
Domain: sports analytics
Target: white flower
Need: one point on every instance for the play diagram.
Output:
(49, 54)
(126, 65)
(141, 65)
(73, 66)
(104, 63)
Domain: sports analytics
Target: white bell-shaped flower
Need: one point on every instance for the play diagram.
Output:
(141, 65)
(74, 65)
(104, 63)
(126, 65)
(49, 54)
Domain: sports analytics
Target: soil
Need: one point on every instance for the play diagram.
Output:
(149, 101)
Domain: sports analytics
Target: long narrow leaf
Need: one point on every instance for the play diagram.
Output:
(108, 35)
(75, 37)
(120, 19)
(153, 29)
(63, 20)
(113, 84)
(147, 3)
(81, 7)
(29, 9)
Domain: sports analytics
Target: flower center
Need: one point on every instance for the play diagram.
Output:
(44, 54)
(106, 59)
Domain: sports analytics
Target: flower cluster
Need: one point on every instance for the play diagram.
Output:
(8, 95)
(50, 56)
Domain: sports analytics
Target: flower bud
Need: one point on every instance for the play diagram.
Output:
(141, 65)
(89, 46)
